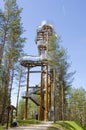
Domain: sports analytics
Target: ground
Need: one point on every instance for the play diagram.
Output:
(42, 126)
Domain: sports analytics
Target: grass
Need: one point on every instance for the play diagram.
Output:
(2, 127)
(66, 125)
(27, 122)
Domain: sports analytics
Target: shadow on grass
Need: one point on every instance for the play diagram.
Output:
(67, 126)
(53, 128)
(63, 125)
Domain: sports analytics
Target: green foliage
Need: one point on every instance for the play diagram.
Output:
(32, 109)
(54, 50)
(67, 125)
(15, 30)
(21, 109)
(77, 105)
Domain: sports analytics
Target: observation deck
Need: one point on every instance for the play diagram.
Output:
(43, 33)
(32, 61)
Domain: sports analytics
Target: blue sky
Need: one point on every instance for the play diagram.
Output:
(69, 20)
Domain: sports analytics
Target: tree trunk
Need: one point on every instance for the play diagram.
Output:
(18, 92)
(11, 84)
(6, 95)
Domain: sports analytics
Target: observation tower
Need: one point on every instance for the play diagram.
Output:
(43, 32)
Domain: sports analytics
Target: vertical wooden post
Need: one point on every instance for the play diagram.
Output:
(41, 94)
(11, 117)
(50, 93)
(26, 102)
(62, 87)
(8, 111)
(54, 73)
(46, 95)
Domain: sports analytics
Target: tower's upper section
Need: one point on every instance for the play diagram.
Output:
(43, 33)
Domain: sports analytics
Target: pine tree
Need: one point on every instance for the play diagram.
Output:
(61, 77)
(77, 105)
(13, 44)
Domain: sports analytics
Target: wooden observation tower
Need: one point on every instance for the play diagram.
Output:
(43, 33)
(42, 38)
